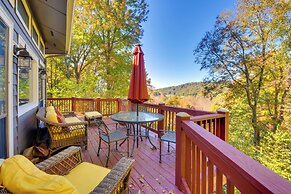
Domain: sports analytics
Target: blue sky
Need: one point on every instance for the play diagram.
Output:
(172, 32)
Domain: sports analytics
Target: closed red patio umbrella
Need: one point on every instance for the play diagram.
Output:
(138, 92)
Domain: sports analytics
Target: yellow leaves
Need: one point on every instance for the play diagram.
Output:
(141, 180)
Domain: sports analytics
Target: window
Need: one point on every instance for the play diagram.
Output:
(34, 35)
(3, 87)
(15, 37)
(41, 47)
(41, 85)
(12, 2)
(23, 13)
(24, 86)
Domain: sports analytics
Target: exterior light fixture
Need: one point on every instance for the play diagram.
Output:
(24, 58)
(42, 73)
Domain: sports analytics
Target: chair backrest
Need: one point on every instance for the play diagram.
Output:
(102, 127)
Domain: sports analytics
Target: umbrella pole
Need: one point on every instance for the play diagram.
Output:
(137, 109)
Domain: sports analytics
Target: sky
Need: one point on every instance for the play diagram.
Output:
(172, 32)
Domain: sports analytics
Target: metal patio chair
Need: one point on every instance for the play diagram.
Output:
(109, 137)
(167, 136)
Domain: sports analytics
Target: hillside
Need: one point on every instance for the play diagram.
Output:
(188, 89)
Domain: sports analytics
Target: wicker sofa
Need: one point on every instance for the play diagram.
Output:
(70, 159)
(64, 134)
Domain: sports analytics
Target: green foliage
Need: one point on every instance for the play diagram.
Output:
(247, 54)
(275, 152)
(99, 63)
(23, 88)
(188, 89)
(173, 101)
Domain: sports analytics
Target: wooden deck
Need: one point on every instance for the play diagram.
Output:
(147, 175)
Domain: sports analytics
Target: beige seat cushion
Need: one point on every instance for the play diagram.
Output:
(94, 114)
(86, 176)
(72, 120)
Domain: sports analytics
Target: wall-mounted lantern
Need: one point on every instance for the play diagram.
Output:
(24, 58)
(42, 73)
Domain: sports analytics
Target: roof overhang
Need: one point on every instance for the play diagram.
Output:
(55, 19)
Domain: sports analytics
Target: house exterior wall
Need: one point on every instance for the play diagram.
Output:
(22, 118)
(26, 130)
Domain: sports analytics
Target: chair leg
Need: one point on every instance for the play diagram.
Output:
(99, 146)
(108, 155)
(160, 151)
(127, 147)
(168, 146)
(86, 145)
(122, 142)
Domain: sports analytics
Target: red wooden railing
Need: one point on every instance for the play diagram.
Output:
(106, 107)
(213, 122)
(205, 163)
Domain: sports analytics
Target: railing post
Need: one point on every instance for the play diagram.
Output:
(180, 148)
(224, 125)
(119, 104)
(98, 109)
(74, 104)
(128, 106)
(161, 111)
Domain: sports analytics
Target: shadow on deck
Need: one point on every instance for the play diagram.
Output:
(147, 175)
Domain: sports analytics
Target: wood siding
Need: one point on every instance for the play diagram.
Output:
(27, 130)
(25, 126)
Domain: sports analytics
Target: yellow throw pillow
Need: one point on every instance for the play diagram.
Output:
(19, 175)
(51, 112)
(50, 108)
(52, 117)
(0, 177)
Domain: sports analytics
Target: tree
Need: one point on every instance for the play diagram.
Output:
(104, 33)
(117, 28)
(240, 53)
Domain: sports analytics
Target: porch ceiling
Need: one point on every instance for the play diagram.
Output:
(54, 18)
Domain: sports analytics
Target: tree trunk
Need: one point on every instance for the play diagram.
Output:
(256, 128)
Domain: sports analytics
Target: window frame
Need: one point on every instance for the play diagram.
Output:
(9, 72)
(33, 81)
(41, 46)
(12, 2)
(28, 14)
(33, 29)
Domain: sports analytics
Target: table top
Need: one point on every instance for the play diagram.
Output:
(132, 117)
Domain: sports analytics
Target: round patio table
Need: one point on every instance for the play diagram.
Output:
(136, 120)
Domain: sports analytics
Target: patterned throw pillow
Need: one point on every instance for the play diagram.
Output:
(61, 119)
(58, 112)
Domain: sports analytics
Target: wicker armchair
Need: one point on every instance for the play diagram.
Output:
(116, 181)
(64, 134)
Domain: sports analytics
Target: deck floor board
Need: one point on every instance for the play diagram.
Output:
(147, 175)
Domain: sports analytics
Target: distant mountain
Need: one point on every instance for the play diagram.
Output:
(188, 89)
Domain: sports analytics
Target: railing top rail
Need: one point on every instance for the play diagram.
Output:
(207, 117)
(77, 98)
(192, 112)
(108, 99)
(59, 98)
(244, 172)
